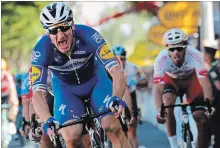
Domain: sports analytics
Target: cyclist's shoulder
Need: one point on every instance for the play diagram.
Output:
(88, 35)
(84, 30)
(130, 65)
(163, 56)
(42, 50)
(192, 52)
(25, 76)
(193, 56)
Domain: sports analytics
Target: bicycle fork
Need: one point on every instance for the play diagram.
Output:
(94, 135)
(186, 132)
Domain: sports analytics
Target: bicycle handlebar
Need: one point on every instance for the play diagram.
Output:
(205, 104)
(87, 119)
(83, 119)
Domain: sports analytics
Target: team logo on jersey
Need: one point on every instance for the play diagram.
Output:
(106, 53)
(35, 56)
(97, 37)
(35, 74)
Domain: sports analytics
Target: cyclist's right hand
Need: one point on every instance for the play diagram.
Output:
(120, 104)
(160, 119)
(48, 129)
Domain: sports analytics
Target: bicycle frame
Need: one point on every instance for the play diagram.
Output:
(91, 125)
(186, 131)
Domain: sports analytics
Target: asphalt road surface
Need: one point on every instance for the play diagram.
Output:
(148, 136)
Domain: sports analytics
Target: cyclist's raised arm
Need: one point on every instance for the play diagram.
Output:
(40, 61)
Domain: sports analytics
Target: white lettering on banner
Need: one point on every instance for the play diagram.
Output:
(97, 37)
(62, 107)
(35, 56)
(106, 101)
(72, 64)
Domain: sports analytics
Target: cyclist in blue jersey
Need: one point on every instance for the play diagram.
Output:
(28, 110)
(78, 58)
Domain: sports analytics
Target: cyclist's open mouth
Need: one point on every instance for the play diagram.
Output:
(63, 44)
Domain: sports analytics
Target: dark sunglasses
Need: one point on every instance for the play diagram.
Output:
(60, 27)
(179, 49)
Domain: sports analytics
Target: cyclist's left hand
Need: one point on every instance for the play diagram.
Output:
(121, 105)
(25, 128)
(24, 131)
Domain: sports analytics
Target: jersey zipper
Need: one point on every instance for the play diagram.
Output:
(75, 71)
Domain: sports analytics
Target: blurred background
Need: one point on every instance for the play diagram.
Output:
(138, 26)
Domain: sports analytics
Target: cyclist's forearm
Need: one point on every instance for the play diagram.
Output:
(158, 92)
(119, 81)
(25, 110)
(134, 102)
(31, 109)
(13, 98)
(207, 89)
(40, 105)
(127, 98)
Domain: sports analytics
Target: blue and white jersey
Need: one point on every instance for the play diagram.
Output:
(79, 67)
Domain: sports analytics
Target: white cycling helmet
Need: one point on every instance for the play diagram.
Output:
(55, 13)
(174, 36)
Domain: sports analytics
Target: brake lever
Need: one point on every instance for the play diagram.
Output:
(121, 120)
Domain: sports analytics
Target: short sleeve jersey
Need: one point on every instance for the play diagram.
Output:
(79, 66)
(164, 64)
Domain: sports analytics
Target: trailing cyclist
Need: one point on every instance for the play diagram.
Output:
(179, 69)
(28, 110)
(9, 102)
(133, 77)
(77, 56)
(214, 77)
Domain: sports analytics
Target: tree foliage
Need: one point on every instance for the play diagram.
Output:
(20, 29)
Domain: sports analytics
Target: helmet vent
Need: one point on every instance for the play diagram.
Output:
(45, 17)
(177, 37)
(61, 12)
(62, 19)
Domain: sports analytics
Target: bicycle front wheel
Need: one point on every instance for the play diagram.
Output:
(189, 140)
(96, 143)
